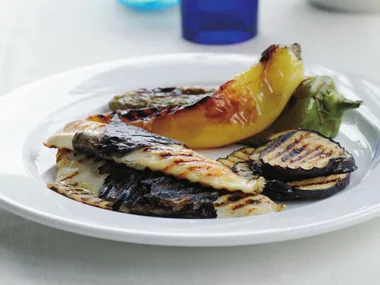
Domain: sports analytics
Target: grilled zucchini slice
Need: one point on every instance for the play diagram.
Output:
(301, 154)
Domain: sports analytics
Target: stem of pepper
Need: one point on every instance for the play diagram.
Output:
(349, 104)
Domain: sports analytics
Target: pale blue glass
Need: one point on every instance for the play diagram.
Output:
(149, 4)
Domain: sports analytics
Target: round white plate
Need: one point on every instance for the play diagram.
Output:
(31, 113)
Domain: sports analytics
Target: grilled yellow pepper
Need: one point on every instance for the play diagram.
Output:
(240, 108)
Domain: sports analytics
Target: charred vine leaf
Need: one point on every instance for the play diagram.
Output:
(158, 98)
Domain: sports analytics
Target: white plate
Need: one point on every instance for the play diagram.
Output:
(31, 113)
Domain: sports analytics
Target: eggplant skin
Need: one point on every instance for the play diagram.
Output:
(294, 161)
(273, 189)
(335, 166)
(318, 187)
(280, 191)
(321, 187)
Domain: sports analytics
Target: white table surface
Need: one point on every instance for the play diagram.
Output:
(42, 37)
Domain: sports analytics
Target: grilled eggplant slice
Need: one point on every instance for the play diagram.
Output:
(239, 162)
(311, 188)
(320, 187)
(239, 155)
(111, 186)
(274, 189)
(301, 154)
(139, 149)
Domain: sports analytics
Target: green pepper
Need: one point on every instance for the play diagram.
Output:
(315, 105)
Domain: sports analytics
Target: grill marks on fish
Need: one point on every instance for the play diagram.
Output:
(116, 187)
(245, 206)
(139, 149)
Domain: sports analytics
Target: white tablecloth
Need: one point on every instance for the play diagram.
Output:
(41, 37)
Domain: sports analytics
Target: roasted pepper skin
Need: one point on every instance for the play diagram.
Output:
(315, 105)
(240, 108)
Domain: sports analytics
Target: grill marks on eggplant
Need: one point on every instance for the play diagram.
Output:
(290, 162)
(324, 182)
(274, 189)
(107, 185)
(239, 155)
(301, 154)
(321, 187)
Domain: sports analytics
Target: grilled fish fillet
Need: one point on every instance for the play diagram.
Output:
(108, 185)
(139, 149)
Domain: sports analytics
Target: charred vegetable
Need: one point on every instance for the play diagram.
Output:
(292, 156)
(274, 189)
(159, 98)
(241, 107)
(301, 154)
(239, 162)
(107, 185)
(240, 155)
(315, 105)
(139, 149)
(320, 187)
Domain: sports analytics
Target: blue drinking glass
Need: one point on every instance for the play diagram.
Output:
(219, 22)
(149, 4)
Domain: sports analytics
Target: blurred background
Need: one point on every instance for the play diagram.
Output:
(42, 37)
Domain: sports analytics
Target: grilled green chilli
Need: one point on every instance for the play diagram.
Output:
(315, 105)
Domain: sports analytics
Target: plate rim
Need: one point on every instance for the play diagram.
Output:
(176, 240)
